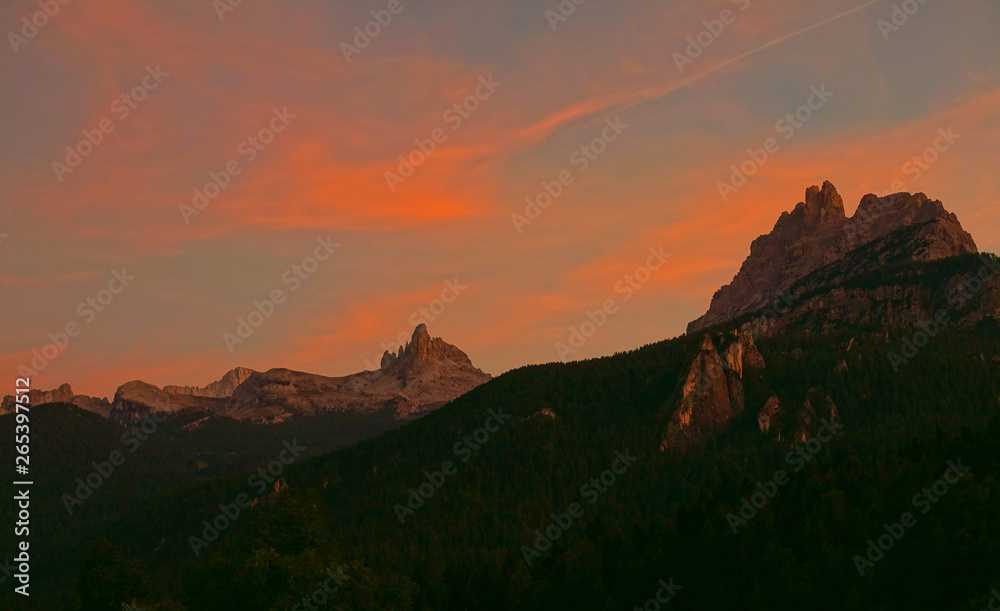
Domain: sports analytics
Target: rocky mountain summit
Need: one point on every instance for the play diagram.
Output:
(817, 233)
(424, 375)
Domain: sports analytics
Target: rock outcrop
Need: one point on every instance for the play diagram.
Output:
(817, 233)
(712, 391)
(796, 424)
(766, 415)
(544, 412)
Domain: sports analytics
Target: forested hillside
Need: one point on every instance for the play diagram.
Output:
(664, 516)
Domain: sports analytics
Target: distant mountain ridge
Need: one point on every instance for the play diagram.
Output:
(218, 389)
(424, 375)
(63, 394)
(817, 233)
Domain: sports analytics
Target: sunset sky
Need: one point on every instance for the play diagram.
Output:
(546, 88)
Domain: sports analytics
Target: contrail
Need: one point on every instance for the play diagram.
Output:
(743, 56)
(664, 91)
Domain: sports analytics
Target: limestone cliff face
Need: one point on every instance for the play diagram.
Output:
(876, 217)
(817, 233)
(712, 395)
(885, 284)
(743, 352)
(712, 391)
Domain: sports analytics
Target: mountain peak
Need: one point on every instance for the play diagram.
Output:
(421, 376)
(422, 352)
(420, 332)
(821, 209)
(817, 232)
(419, 342)
(824, 204)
